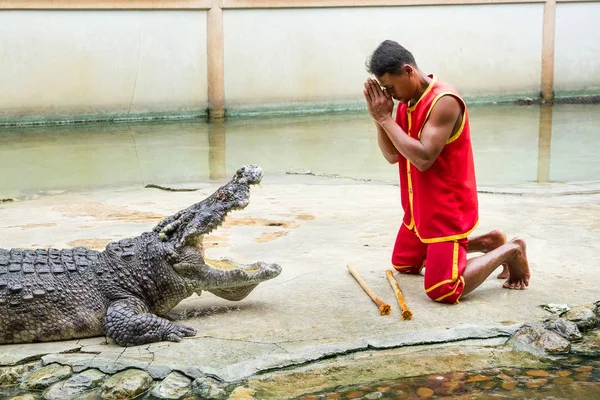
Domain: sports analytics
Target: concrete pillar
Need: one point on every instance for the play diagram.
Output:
(216, 65)
(549, 28)
(216, 150)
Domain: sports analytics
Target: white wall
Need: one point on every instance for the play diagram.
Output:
(312, 55)
(101, 63)
(89, 64)
(577, 49)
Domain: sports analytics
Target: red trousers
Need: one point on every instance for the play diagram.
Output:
(444, 264)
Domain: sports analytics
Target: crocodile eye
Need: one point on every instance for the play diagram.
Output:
(223, 195)
(127, 257)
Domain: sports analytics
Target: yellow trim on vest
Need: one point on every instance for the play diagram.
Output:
(409, 179)
(460, 130)
(450, 140)
(462, 123)
(433, 81)
(447, 238)
(455, 136)
(410, 197)
(435, 100)
(455, 262)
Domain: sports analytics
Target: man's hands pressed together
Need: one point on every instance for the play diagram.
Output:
(379, 102)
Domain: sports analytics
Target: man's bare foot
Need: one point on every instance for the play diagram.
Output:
(487, 242)
(504, 274)
(496, 239)
(518, 267)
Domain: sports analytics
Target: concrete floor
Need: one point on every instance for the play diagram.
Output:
(313, 227)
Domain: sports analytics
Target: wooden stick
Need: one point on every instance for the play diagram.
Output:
(384, 309)
(406, 313)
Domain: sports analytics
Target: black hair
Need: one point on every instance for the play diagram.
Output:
(389, 57)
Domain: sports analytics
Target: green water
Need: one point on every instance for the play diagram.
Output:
(512, 145)
(572, 381)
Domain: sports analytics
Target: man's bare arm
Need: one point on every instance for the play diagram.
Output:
(437, 130)
(386, 146)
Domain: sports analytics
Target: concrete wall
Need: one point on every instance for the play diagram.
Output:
(318, 55)
(88, 64)
(77, 64)
(577, 51)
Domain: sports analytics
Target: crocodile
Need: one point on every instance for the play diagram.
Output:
(126, 291)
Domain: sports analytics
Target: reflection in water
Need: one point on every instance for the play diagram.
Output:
(216, 149)
(544, 143)
(573, 382)
(137, 156)
(512, 145)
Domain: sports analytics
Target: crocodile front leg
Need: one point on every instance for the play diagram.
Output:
(129, 323)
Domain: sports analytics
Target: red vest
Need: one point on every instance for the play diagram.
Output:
(440, 204)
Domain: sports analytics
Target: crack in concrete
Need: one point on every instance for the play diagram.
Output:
(367, 347)
(332, 176)
(72, 351)
(258, 342)
(39, 357)
(281, 348)
(151, 363)
(234, 340)
(296, 277)
(291, 363)
(117, 359)
(89, 363)
(152, 354)
(137, 72)
(329, 356)
(304, 340)
(26, 360)
(309, 361)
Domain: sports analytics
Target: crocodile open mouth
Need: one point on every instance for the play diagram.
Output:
(186, 227)
(186, 231)
(226, 264)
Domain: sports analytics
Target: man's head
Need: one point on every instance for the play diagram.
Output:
(395, 69)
